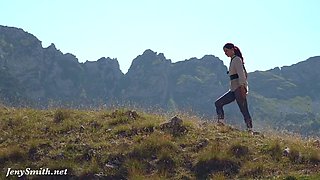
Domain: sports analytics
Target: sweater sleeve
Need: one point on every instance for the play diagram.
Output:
(240, 71)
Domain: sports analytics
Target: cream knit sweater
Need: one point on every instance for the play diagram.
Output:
(236, 67)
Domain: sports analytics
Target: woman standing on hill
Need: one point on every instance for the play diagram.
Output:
(238, 86)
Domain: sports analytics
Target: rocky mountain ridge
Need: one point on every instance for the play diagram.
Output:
(42, 77)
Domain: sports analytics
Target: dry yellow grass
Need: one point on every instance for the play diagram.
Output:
(128, 144)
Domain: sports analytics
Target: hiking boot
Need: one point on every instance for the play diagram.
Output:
(250, 131)
(220, 122)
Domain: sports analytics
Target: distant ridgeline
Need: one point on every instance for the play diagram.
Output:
(38, 77)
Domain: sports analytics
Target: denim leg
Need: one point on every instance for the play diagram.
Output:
(226, 98)
(243, 106)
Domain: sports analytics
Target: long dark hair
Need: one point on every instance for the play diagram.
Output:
(237, 51)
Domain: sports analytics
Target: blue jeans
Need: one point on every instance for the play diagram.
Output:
(241, 99)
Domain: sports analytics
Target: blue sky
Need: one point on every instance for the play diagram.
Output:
(270, 33)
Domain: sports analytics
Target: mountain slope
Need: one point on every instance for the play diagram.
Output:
(34, 76)
(147, 81)
(300, 79)
(126, 144)
(47, 75)
(287, 98)
(153, 81)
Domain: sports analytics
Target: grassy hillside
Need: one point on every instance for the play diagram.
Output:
(125, 144)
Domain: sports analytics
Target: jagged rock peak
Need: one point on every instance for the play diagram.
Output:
(149, 58)
(104, 63)
(71, 56)
(11, 30)
(108, 61)
(149, 52)
(210, 57)
(52, 47)
(104, 59)
(19, 36)
(205, 60)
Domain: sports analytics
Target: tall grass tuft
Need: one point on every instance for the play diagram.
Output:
(60, 115)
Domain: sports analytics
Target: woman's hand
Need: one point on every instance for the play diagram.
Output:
(243, 91)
